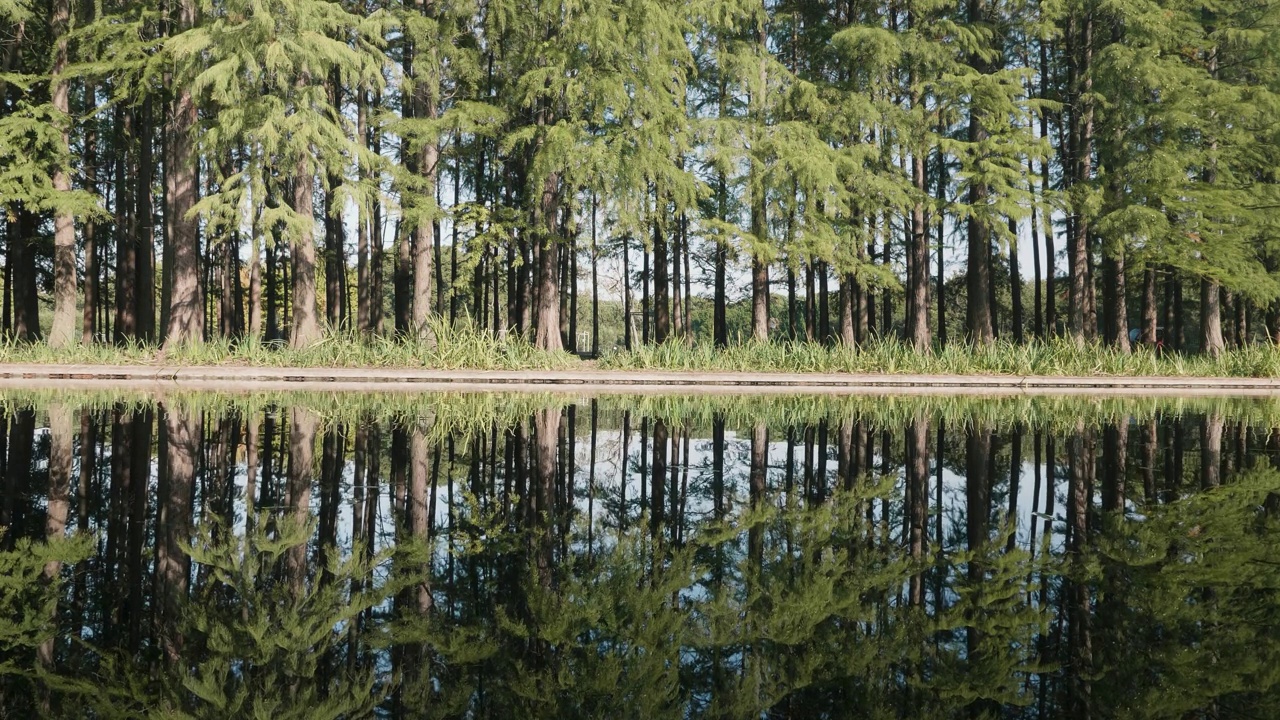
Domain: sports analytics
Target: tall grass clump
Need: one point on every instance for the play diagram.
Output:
(457, 347)
(465, 347)
(1053, 358)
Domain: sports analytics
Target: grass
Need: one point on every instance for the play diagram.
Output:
(463, 347)
(1056, 358)
(459, 347)
(467, 415)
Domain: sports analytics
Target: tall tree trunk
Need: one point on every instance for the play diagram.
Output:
(644, 296)
(62, 333)
(1037, 290)
(1083, 322)
(335, 260)
(979, 321)
(1050, 254)
(917, 320)
(145, 223)
(759, 220)
(942, 278)
(628, 322)
(848, 338)
(427, 107)
(595, 295)
(22, 273)
(1211, 342)
(364, 224)
(1015, 285)
(302, 254)
(661, 305)
(978, 316)
(548, 322)
(186, 300)
(255, 286)
(1114, 300)
(1149, 306)
(677, 305)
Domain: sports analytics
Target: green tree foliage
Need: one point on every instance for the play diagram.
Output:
(835, 163)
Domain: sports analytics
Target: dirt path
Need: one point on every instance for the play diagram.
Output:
(586, 381)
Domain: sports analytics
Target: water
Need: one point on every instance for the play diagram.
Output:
(485, 556)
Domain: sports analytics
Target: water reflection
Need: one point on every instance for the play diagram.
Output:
(534, 556)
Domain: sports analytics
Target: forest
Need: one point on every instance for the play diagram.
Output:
(830, 171)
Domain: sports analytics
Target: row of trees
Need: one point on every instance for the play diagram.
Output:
(201, 169)
(600, 560)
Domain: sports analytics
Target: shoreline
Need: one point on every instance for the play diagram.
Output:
(249, 379)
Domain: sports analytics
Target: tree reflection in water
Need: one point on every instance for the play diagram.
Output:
(461, 556)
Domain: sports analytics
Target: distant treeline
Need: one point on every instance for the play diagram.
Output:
(171, 172)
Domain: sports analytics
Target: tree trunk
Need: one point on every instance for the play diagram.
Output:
(186, 300)
(644, 296)
(335, 261)
(756, 188)
(255, 287)
(628, 322)
(1037, 291)
(677, 306)
(720, 320)
(62, 332)
(1211, 342)
(302, 253)
(595, 293)
(917, 321)
(420, 326)
(145, 224)
(364, 224)
(1083, 322)
(426, 101)
(1149, 306)
(22, 273)
(1015, 285)
(1050, 254)
(126, 326)
(1115, 304)
(548, 322)
(759, 300)
(661, 306)
(979, 322)
(848, 338)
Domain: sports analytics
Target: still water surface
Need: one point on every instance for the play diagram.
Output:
(313, 556)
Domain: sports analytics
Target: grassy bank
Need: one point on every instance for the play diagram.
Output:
(455, 349)
(464, 348)
(1057, 358)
